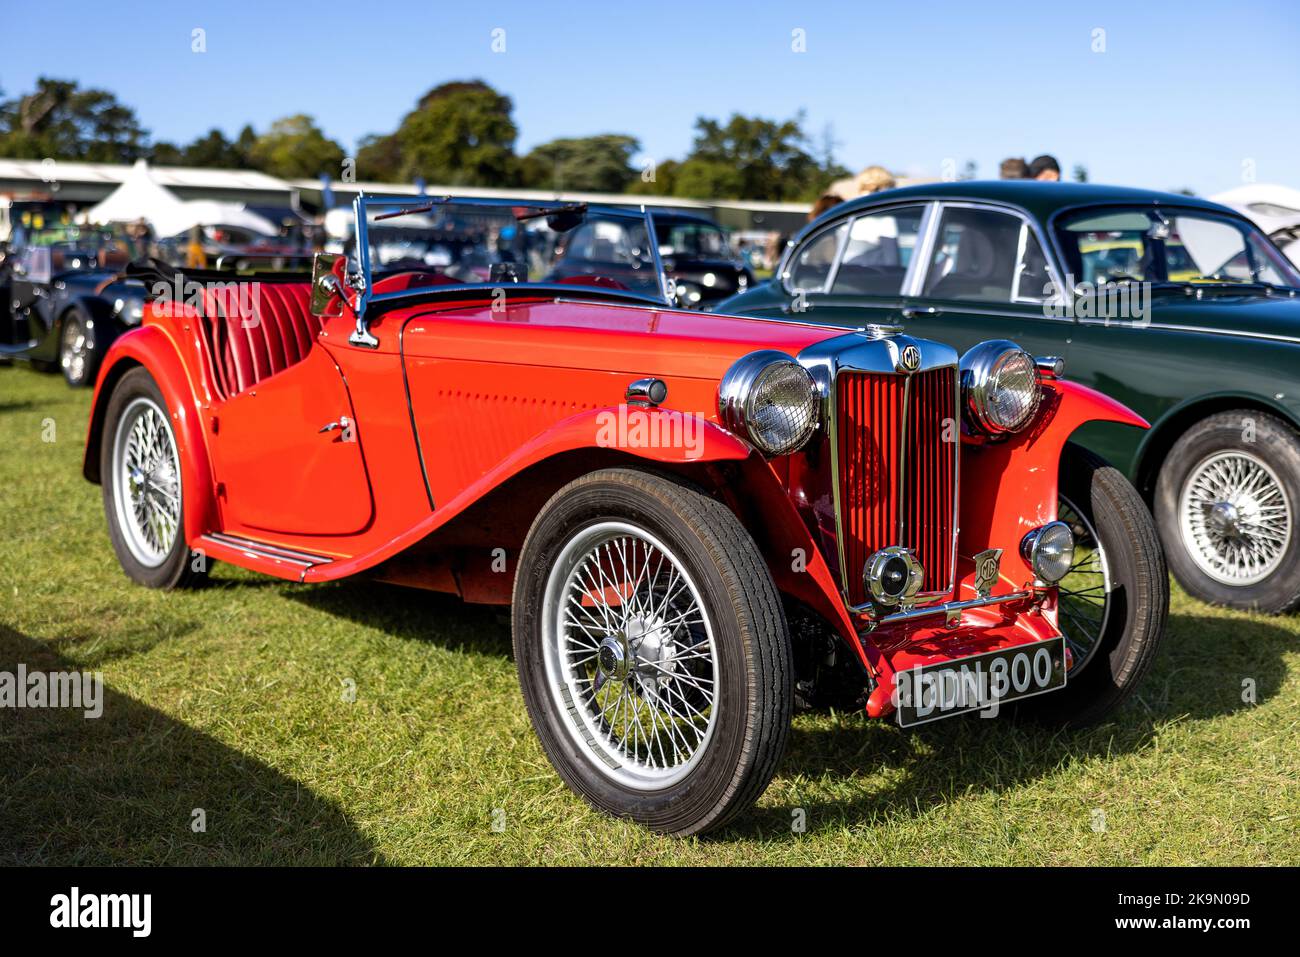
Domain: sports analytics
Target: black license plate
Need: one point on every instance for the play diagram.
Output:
(930, 692)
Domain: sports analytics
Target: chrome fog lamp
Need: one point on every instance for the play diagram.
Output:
(1000, 387)
(892, 576)
(771, 400)
(1049, 551)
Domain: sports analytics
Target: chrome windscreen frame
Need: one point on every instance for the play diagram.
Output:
(880, 351)
(361, 281)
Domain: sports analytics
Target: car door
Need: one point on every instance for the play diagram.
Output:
(985, 276)
(288, 454)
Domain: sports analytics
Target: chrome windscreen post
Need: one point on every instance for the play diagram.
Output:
(361, 335)
(666, 285)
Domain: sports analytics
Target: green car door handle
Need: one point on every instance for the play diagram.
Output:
(911, 312)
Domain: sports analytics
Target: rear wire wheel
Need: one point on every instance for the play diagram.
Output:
(140, 468)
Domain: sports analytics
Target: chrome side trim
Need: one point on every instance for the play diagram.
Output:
(947, 608)
(267, 550)
(1174, 327)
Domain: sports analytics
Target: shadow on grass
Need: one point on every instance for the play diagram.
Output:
(1198, 676)
(413, 614)
(122, 788)
(1202, 673)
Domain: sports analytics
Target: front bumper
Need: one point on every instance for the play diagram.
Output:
(951, 631)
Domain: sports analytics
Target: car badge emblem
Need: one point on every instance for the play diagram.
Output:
(909, 360)
(988, 569)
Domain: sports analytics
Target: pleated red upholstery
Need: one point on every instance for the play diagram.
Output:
(257, 331)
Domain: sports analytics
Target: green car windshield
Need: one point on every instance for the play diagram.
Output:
(1169, 245)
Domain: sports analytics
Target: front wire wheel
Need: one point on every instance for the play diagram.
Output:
(630, 654)
(1114, 603)
(1084, 593)
(652, 651)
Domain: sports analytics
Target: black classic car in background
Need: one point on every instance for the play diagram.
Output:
(61, 300)
(694, 251)
(1179, 308)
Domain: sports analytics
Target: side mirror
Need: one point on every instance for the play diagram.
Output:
(327, 295)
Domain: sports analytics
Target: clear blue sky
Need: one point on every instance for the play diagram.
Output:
(1183, 95)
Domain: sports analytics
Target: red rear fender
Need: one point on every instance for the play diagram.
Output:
(151, 347)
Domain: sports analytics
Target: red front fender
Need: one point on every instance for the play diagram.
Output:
(152, 348)
(1009, 488)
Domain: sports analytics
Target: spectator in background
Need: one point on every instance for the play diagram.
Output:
(874, 179)
(825, 202)
(1045, 169)
(1014, 168)
(195, 257)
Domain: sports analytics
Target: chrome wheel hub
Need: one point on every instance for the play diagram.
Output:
(612, 658)
(629, 655)
(1235, 518)
(147, 493)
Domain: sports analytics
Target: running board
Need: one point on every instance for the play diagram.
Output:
(261, 556)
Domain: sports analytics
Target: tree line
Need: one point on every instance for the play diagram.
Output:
(460, 133)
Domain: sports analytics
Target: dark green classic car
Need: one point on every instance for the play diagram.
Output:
(1179, 308)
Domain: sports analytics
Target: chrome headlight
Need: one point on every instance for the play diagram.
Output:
(1000, 387)
(770, 399)
(1049, 551)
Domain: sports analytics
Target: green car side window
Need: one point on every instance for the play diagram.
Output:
(810, 266)
(879, 248)
(983, 255)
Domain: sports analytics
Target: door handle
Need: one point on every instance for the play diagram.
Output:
(342, 423)
(911, 312)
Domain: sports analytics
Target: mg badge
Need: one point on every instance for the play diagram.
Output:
(988, 568)
(909, 360)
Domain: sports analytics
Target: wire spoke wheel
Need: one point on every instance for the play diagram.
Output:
(630, 655)
(1235, 518)
(1083, 595)
(147, 482)
(74, 351)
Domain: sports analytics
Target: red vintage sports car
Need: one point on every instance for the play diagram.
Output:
(700, 522)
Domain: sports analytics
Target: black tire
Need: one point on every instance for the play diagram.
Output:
(1277, 445)
(754, 669)
(179, 568)
(78, 355)
(1138, 601)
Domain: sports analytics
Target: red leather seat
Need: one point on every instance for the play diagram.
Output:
(257, 330)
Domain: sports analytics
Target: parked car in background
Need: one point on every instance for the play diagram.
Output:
(698, 521)
(1180, 308)
(692, 251)
(1274, 209)
(61, 301)
(699, 259)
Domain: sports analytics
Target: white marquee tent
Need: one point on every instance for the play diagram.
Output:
(141, 196)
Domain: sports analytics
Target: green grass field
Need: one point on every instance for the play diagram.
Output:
(231, 699)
